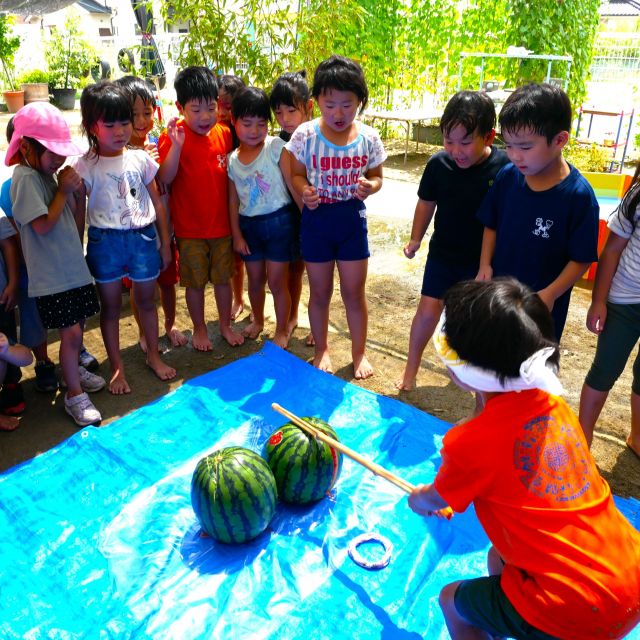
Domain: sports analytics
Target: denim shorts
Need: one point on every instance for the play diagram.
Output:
(483, 604)
(439, 276)
(32, 331)
(270, 236)
(336, 231)
(114, 253)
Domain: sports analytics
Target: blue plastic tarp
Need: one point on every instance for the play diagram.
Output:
(99, 539)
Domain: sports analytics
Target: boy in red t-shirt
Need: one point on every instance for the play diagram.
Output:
(193, 155)
(564, 562)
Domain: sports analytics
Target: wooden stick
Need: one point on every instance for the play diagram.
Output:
(447, 512)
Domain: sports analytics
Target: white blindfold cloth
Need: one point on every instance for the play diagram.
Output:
(535, 371)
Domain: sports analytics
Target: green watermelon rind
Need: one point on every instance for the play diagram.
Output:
(233, 507)
(295, 479)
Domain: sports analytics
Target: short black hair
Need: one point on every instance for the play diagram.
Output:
(251, 102)
(473, 110)
(195, 83)
(341, 74)
(290, 89)
(136, 87)
(103, 101)
(543, 108)
(10, 129)
(498, 324)
(231, 84)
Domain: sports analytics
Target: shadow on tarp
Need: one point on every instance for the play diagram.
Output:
(99, 536)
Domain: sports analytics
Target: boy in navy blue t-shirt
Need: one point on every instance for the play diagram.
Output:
(541, 215)
(453, 185)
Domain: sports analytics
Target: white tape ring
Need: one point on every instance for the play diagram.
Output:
(371, 536)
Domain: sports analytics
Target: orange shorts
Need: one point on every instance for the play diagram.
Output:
(204, 260)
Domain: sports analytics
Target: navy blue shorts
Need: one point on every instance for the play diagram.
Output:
(115, 253)
(439, 276)
(483, 604)
(270, 236)
(335, 231)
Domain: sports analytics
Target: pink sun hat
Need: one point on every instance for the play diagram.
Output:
(43, 122)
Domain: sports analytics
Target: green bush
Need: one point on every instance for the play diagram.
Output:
(33, 76)
(587, 157)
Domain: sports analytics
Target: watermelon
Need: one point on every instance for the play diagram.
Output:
(305, 468)
(233, 494)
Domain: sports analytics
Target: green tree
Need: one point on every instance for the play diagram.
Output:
(559, 27)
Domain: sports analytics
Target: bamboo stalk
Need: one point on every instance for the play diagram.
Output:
(354, 455)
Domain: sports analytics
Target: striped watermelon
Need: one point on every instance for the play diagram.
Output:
(305, 468)
(233, 493)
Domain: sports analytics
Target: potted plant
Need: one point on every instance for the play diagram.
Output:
(35, 84)
(69, 58)
(9, 44)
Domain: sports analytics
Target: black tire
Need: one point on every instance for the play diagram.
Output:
(101, 71)
(126, 61)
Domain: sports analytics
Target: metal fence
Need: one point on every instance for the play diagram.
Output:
(616, 58)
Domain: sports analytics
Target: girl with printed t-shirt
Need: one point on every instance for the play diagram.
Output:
(336, 164)
(121, 240)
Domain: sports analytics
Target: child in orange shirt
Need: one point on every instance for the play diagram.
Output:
(564, 562)
(193, 152)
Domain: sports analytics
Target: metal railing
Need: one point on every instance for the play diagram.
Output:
(616, 58)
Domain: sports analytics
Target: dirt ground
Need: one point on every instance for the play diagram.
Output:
(393, 290)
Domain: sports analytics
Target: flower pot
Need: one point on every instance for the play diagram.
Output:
(64, 98)
(35, 92)
(14, 100)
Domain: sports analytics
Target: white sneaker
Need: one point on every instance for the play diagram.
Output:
(90, 382)
(81, 409)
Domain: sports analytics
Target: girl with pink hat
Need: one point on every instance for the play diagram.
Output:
(45, 198)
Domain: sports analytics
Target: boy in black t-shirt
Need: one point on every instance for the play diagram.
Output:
(453, 185)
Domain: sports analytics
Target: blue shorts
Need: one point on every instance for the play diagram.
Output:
(439, 276)
(483, 604)
(335, 231)
(114, 253)
(270, 236)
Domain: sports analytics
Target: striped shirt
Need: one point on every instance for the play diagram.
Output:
(334, 170)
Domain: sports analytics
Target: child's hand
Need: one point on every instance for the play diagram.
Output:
(596, 317)
(364, 188)
(547, 298)
(69, 180)
(310, 197)
(411, 249)
(240, 246)
(176, 134)
(165, 256)
(9, 297)
(4, 344)
(425, 501)
(485, 273)
(152, 150)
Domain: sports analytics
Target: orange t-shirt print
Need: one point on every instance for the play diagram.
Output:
(198, 196)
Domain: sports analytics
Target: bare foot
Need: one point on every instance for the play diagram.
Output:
(9, 423)
(281, 339)
(309, 341)
(200, 340)
(406, 383)
(236, 309)
(176, 337)
(118, 384)
(634, 449)
(362, 368)
(291, 326)
(252, 331)
(322, 361)
(162, 370)
(233, 338)
(142, 341)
